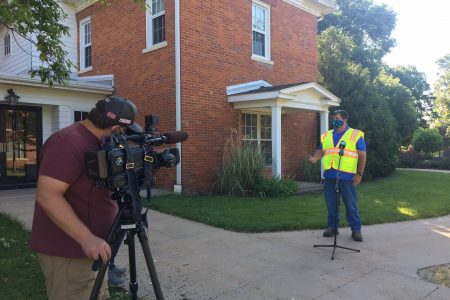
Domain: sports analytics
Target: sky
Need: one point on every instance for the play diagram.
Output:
(422, 34)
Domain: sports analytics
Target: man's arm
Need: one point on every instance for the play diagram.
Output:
(50, 196)
(316, 156)
(362, 157)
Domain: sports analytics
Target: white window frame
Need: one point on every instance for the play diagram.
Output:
(83, 45)
(7, 44)
(149, 20)
(266, 33)
(258, 129)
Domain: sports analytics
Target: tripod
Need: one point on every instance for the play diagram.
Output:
(338, 195)
(125, 221)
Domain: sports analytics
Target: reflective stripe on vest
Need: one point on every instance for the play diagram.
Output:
(349, 160)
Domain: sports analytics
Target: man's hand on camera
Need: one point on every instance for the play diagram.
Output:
(95, 248)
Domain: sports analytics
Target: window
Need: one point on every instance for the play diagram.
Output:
(85, 44)
(261, 30)
(257, 131)
(79, 115)
(156, 22)
(7, 42)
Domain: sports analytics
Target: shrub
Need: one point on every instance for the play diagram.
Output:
(276, 187)
(242, 173)
(311, 172)
(409, 158)
(442, 164)
(427, 140)
(242, 169)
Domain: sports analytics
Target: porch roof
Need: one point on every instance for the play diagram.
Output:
(304, 95)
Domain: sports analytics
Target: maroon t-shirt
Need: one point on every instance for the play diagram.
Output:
(63, 159)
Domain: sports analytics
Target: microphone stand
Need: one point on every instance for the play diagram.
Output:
(338, 195)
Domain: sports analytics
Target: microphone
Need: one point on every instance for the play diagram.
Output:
(174, 137)
(342, 145)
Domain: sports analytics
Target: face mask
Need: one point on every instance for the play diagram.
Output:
(337, 123)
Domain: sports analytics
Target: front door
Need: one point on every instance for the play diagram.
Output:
(20, 144)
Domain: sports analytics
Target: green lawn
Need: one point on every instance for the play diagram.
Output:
(20, 274)
(406, 195)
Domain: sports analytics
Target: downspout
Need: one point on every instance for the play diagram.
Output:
(178, 186)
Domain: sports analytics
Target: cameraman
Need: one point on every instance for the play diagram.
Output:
(72, 217)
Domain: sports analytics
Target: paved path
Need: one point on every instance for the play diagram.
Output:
(196, 261)
(426, 170)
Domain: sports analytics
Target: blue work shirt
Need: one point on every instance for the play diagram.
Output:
(332, 173)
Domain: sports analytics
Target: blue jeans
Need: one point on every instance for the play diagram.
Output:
(350, 197)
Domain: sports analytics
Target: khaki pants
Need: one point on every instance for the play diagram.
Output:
(70, 278)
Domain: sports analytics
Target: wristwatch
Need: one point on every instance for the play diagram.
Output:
(360, 173)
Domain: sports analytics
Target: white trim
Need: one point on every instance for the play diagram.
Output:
(155, 47)
(85, 70)
(82, 25)
(149, 16)
(248, 86)
(178, 90)
(78, 86)
(266, 32)
(80, 4)
(262, 59)
(276, 141)
(318, 8)
(309, 96)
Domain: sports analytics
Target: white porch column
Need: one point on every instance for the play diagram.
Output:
(324, 126)
(276, 141)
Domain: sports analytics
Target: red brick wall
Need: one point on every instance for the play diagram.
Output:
(148, 79)
(216, 52)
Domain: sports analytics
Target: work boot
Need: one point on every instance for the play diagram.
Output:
(357, 236)
(330, 231)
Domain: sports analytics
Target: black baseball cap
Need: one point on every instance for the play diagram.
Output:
(122, 111)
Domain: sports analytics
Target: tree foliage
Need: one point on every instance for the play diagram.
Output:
(39, 22)
(401, 104)
(417, 83)
(369, 25)
(442, 102)
(427, 140)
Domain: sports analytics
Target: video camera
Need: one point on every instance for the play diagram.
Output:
(133, 150)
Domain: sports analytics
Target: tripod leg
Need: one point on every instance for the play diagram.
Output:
(132, 260)
(150, 265)
(112, 237)
(98, 282)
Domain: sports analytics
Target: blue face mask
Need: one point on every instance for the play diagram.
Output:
(337, 123)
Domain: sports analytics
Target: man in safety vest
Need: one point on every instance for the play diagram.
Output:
(351, 169)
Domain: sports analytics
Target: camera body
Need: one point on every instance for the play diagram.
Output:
(108, 166)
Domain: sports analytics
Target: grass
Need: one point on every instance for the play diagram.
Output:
(20, 273)
(406, 195)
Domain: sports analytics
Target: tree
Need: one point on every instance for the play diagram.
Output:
(442, 102)
(39, 22)
(369, 25)
(417, 83)
(427, 140)
(401, 103)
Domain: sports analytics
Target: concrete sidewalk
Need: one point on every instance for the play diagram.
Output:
(196, 261)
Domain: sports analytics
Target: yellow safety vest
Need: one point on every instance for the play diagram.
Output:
(349, 161)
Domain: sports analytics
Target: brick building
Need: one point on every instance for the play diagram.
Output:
(210, 67)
